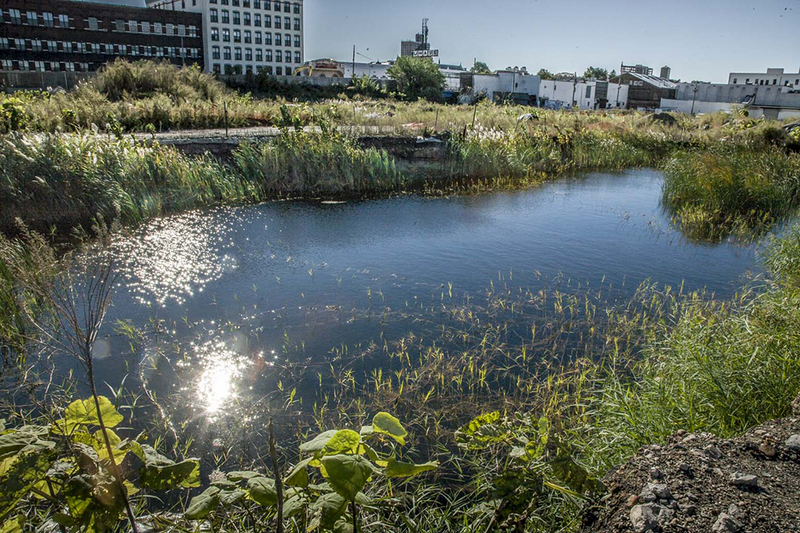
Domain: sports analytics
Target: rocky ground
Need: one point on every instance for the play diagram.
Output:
(699, 483)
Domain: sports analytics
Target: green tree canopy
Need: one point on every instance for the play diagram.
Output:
(480, 68)
(418, 77)
(613, 74)
(545, 74)
(596, 73)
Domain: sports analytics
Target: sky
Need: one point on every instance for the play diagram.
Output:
(699, 39)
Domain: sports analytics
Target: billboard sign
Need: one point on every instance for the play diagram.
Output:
(426, 53)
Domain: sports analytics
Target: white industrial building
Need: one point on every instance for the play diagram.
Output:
(767, 100)
(773, 76)
(241, 36)
(588, 94)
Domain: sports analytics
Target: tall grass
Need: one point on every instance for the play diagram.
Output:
(721, 187)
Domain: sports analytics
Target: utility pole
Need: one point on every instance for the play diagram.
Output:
(574, 87)
(353, 74)
(694, 97)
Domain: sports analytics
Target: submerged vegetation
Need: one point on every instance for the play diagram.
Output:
(514, 404)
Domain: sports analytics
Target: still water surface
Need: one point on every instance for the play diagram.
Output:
(244, 292)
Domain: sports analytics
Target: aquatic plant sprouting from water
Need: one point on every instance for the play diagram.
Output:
(313, 164)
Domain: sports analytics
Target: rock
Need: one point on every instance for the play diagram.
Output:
(633, 499)
(768, 449)
(713, 452)
(656, 474)
(649, 517)
(686, 469)
(690, 510)
(726, 524)
(793, 443)
(745, 481)
(655, 491)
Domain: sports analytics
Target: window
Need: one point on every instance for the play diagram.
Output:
(15, 16)
(93, 23)
(225, 16)
(278, 22)
(296, 24)
(245, 3)
(4, 43)
(297, 41)
(158, 28)
(257, 36)
(268, 70)
(237, 18)
(257, 4)
(227, 53)
(109, 49)
(145, 27)
(259, 55)
(19, 44)
(133, 26)
(248, 36)
(267, 21)
(747, 81)
(277, 39)
(257, 20)
(297, 9)
(36, 45)
(286, 23)
(287, 40)
(279, 71)
(224, 2)
(47, 19)
(192, 31)
(181, 30)
(297, 57)
(215, 34)
(267, 38)
(735, 81)
(278, 56)
(248, 54)
(237, 54)
(39, 65)
(246, 18)
(170, 28)
(235, 2)
(215, 52)
(63, 21)
(268, 55)
(774, 82)
(217, 68)
(287, 8)
(588, 91)
(226, 35)
(277, 5)
(237, 36)
(33, 18)
(213, 15)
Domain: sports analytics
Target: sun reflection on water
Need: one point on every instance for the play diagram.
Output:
(220, 380)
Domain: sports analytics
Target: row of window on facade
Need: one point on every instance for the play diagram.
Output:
(237, 69)
(245, 19)
(38, 45)
(786, 83)
(235, 54)
(45, 66)
(288, 7)
(254, 37)
(32, 18)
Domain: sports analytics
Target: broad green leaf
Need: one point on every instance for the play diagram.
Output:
(22, 442)
(203, 503)
(318, 442)
(293, 506)
(388, 425)
(544, 429)
(347, 474)
(262, 490)
(366, 449)
(185, 474)
(343, 525)
(229, 497)
(366, 431)
(395, 468)
(344, 441)
(298, 477)
(13, 525)
(84, 412)
(241, 475)
(327, 509)
(574, 476)
(23, 474)
(478, 422)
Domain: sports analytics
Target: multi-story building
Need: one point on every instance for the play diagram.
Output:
(243, 36)
(61, 35)
(635, 69)
(773, 76)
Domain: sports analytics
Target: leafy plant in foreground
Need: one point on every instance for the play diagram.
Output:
(320, 488)
(65, 469)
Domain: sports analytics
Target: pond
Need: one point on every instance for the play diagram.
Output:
(234, 303)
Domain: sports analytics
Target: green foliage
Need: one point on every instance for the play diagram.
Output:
(596, 73)
(480, 68)
(545, 74)
(12, 115)
(65, 470)
(418, 77)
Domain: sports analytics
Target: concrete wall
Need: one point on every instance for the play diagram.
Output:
(498, 85)
(562, 91)
(700, 106)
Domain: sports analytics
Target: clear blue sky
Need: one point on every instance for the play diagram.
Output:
(699, 39)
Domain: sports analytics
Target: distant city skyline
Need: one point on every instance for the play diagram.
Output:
(698, 40)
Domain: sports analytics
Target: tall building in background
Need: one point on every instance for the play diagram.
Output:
(243, 36)
(66, 36)
(635, 69)
(666, 72)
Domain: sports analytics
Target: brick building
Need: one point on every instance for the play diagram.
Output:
(62, 35)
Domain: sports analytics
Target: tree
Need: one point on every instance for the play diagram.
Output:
(613, 74)
(418, 77)
(545, 74)
(480, 68)
(596, 73)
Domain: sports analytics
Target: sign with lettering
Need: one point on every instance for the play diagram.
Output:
(426, 53)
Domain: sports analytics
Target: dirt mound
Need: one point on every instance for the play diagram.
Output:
(699, 483)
